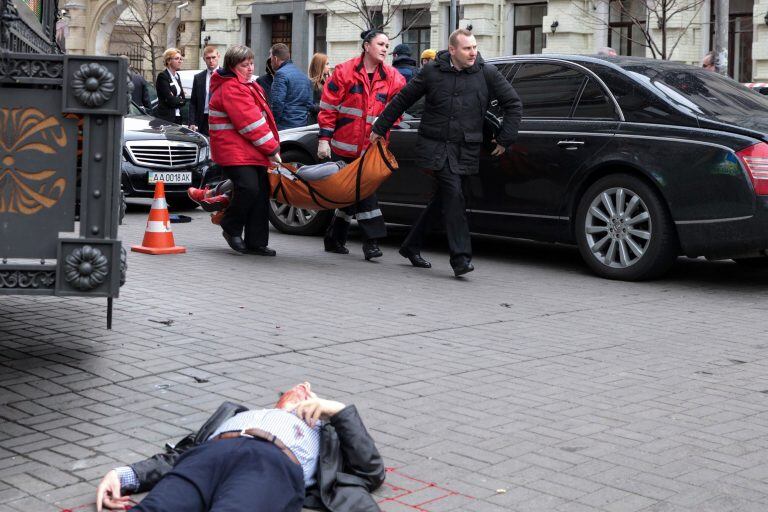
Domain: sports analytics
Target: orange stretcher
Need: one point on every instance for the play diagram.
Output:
(357, 180)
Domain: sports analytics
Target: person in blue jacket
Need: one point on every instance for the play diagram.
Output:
(291, 95)
(403, 62)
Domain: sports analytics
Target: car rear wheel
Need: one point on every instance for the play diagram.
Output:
(298, 221)
(624, 230)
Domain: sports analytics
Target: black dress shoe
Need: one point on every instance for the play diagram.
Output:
(332, 245)
(415, 258)
(463, 269)
(262, 251)
(371, 250)
(235, 242)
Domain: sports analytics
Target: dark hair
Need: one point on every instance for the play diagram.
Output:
(268, 68)
(368, 35)
(280, 51)
(235, 55)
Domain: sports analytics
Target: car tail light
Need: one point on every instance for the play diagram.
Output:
(755, 159)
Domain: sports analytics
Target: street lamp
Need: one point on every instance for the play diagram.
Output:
(554, 26)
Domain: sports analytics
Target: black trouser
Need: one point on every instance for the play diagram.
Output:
(249, 207)
(231, 475)
(369, 217)
(203, 126)
(448, 200)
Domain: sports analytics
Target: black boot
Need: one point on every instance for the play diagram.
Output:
(415, 258)
(371, 249)
(334, 246)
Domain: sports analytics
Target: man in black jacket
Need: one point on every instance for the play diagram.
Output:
(458, 87)
(201, 86)
(260, 461)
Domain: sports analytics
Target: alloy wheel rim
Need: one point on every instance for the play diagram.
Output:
(618, 227)
(291, 215)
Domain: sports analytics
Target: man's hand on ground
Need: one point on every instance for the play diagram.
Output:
(315, 408)
(108, 493)
(498, 151)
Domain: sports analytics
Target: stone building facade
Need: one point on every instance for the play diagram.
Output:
(502, 27)
(93, 27)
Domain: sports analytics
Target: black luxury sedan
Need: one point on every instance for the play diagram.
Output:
(154, 150)
(634, 160)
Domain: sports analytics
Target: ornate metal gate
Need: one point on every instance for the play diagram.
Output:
(60, 144)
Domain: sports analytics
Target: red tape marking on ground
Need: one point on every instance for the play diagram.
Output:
(424, 485)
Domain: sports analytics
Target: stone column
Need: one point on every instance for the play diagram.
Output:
(77, 40)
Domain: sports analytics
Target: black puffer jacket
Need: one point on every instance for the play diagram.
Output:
(454, 110)
(349, 467)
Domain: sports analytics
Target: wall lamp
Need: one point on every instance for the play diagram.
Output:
(554, 26)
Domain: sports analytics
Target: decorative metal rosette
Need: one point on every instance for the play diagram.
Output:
(93, 84)
(86, 268)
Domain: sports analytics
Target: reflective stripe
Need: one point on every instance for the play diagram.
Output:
(368, 215)
(371, 119)
(158, 226)
(340, 214)
(351, 111)
(328, 106)
(344, 146)
(216, 113)
(252, 126)
(159, 204)
(264, 139)
(221, 126)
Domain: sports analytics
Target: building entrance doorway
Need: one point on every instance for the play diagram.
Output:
(281, 29)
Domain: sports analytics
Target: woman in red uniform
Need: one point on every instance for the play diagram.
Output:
(244, 142)
(353, 97)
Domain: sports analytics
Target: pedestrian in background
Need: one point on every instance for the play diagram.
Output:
(356, 93)
(709, 62)
(403, 62)
(319, 71)
(291, 93)
(244, 141)
(170, 94)
(458, 87)
(265, 79)
(140, 93)
(607, 51)
(428, 55)
(201, 91)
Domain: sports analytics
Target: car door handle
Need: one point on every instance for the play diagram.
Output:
(570, 144)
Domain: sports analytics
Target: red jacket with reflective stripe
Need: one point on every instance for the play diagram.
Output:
(243, 131)
(351, 102)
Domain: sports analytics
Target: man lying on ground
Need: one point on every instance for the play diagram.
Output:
(306, 452)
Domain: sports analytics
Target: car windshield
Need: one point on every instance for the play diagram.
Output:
(702, 92)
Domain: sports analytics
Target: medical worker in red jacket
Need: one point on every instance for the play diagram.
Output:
(356, 93)
(244, 142)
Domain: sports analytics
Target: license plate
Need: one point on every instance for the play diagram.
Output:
(182, 178)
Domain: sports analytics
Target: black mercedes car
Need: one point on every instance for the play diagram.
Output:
(154, 150)
(634, 160)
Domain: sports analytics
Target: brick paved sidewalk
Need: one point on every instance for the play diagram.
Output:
(530, 385)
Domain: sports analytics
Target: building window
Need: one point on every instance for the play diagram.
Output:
(416, 30)
(36, 6)
(321, 24)
(528, 22)
(281, 29)
(624, 35)
(377, 19)
(246, 21)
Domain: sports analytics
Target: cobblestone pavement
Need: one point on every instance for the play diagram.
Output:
(530, 385)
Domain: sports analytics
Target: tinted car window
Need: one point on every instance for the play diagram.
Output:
(702, 92)
(593, 103)
(547, 90)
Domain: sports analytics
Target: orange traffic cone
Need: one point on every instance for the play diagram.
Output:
(158, 237)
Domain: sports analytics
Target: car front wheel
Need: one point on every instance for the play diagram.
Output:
(624, 230)
(297, 221)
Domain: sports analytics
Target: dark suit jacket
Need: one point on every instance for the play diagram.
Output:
(197, 100)
(167, 99)
(348, 470)
(140, 94)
